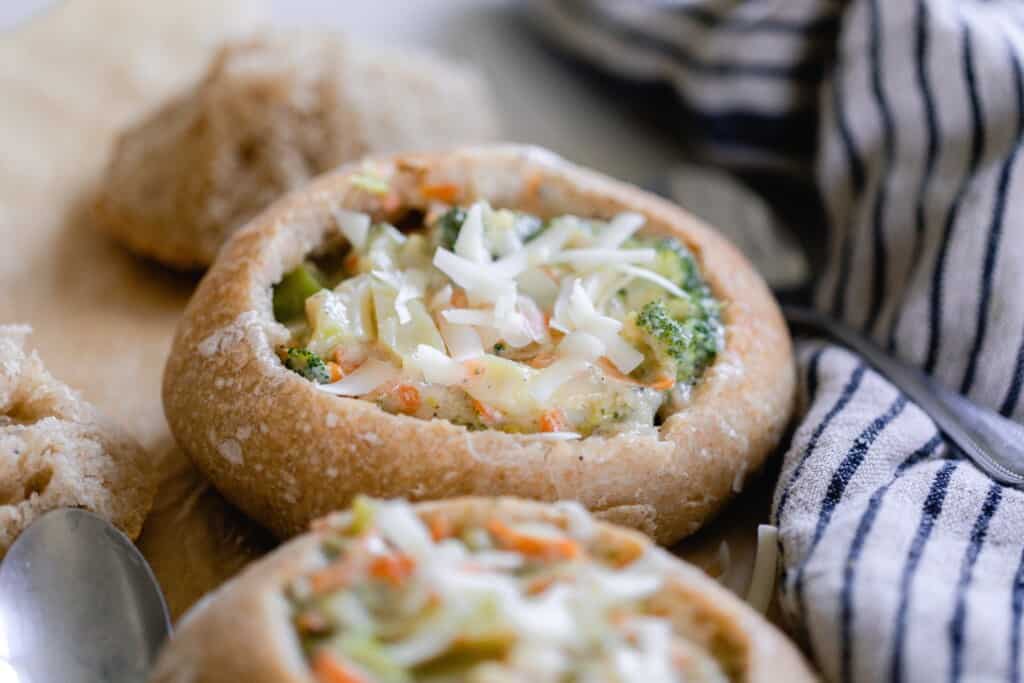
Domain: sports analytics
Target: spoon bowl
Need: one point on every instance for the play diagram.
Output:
(78, 603)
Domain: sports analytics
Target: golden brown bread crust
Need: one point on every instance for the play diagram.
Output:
(243, 632)
(57, 451)
(287, 453)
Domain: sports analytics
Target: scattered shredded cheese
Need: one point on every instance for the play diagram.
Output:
(651, 276)
(437, 367)
(553, 436)
(354, 225)
(470, 244)
(589, 258)
(370, 183)
(762, 582)
(366, 378)
(620, 228)
(463, 341)
(468, 316)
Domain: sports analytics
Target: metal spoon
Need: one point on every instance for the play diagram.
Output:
(994, 443)
(78, 603)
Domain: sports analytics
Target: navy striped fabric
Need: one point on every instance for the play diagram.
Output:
(901, 561)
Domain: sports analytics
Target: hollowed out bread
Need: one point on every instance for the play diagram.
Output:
(271, 112)
(57, 451)
(286, 452)
(243, 631)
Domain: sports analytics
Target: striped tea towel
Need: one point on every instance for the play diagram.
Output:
(901, 560)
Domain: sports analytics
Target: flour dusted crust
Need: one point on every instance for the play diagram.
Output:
(286, 453)
(57, 451)
(243, 631)
(271, 112)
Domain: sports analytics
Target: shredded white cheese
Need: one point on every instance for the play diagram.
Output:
(366, 378)
(553, 436)
(437, 367)
(651, 276)
(354, 225)
(590, 258)
(470, 244)
(762, 582)
(468, 316)
(620, 228)
(463, 341)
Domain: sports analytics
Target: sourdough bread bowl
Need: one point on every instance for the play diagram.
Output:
(287, 452)
(342, 603)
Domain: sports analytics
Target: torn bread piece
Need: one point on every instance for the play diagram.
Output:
(57, 451)
(273, 111)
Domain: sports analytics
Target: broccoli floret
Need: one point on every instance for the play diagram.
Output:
(307, 364)
(449, 225)
(687, 345)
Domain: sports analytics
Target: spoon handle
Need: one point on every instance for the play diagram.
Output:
(994, 443)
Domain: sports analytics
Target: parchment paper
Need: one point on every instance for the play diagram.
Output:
(103, 318)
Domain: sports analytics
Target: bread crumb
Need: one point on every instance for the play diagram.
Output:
(737, 480)
(231, 451)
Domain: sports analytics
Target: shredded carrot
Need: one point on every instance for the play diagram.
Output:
(440, 527)
(311, 622)
(331, 577)
(347, 365)
(618, 617)
(335, 370)
(434, 213)
(553, 421)
(459, 298)
(442, 192)
(539, 584)
(351, 262)
(542, 360)
(663, 383)
(394, 569)
(329, 669)
(532, 185)
(489, 414)
(533, 546)
(408, 398)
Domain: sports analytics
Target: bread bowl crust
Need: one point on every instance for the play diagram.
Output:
(287, 453)
(243, 632)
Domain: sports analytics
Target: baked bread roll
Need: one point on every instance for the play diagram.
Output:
(538, 330)
(272, 112)
(57, 451)
(476, 590)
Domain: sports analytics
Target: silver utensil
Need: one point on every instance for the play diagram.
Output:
(78, 603)
(994, 443)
